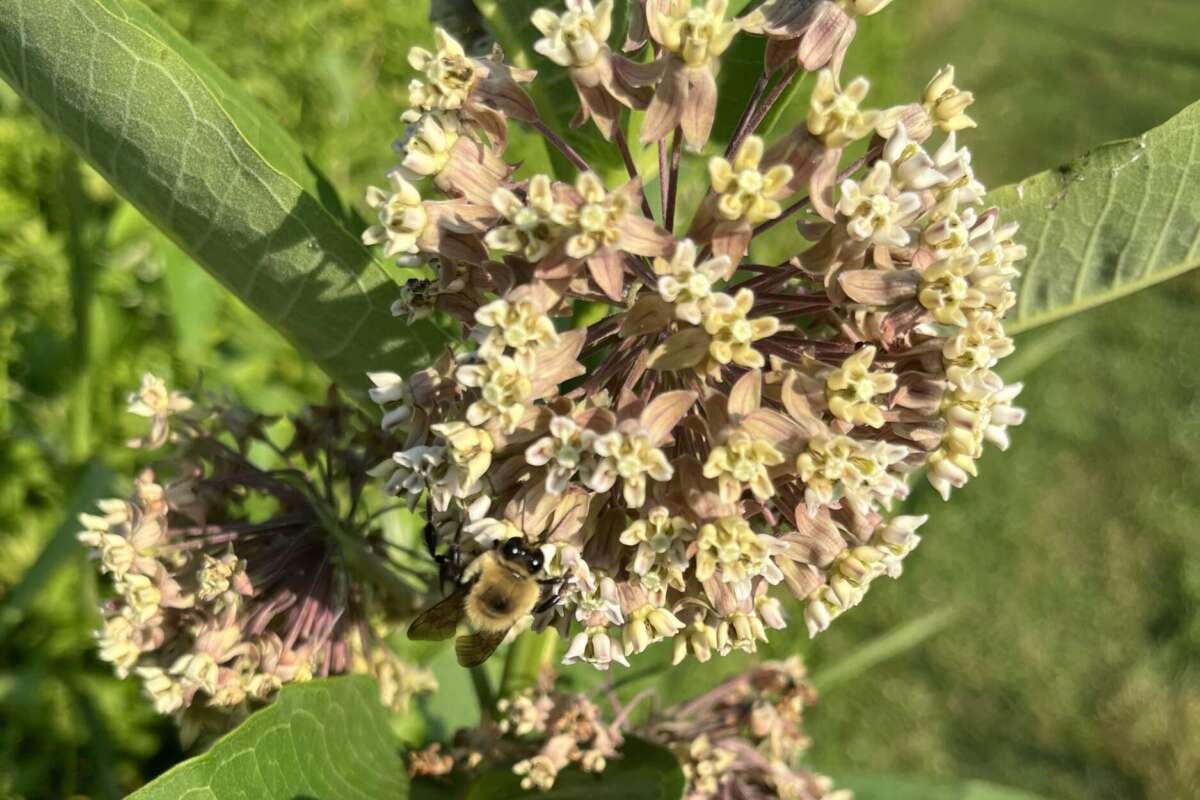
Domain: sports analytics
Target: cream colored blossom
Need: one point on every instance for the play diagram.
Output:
(838, 466)
(948, 292)
(402, 218)
(730, 547)
(504, 384)
(696, 34)
(946, 103)
(448, 73)
(470, 452)
(575, 38)
(427, 144)
(630, 457)
(154, 401)
(835, 117)
(744, 191)
(561, 452)
(732, 334)
(851, 389)
(688, 285)
(743, 461)
(596, 222)
(875, 211)
(661, 540)
(520, 325)
(531, 230)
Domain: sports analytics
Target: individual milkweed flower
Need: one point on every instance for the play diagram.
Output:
(531, 229)
(838, 466)
(411, 229)
(686, 94)
(486, 91)
(742, 461)
(708, 431)
(563, 450)
(946, 103)
(661, 540)
(631, 457)
(436, 146)
(851, 389)
(875, 211)
(604, 81)
(744, 194)
(602, 227)
(154, 401)
(689, 286)
(212, 609)
(732, 334)
(835, 116)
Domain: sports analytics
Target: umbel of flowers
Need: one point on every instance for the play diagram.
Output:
(235, 576)
(740, 739)
(727, 429)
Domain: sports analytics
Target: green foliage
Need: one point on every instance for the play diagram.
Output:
(894, 787)
(198, 157)
(325, 739)
(1117, 220)
(645, 771)
(1071, 669)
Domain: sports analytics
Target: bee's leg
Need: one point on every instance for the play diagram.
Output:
(446, 563)
(555, 596)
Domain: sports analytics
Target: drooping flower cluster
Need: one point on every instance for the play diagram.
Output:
(726, 426)
(741, 739)
(236, 577)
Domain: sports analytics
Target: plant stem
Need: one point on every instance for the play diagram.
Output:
(777, 91)
(527, 656)
(631, 168)
(564, 148)
(739, 130)
(483, 691)
(673, 184)
(663, 178)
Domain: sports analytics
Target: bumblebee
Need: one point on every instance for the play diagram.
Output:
(494, 591)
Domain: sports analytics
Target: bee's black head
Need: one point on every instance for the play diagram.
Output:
(514, 550)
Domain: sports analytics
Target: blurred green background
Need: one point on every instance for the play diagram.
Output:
(1050, 623)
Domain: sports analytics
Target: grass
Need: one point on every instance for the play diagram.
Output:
(1053, 605)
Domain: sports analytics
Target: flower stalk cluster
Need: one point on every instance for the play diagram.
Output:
(727, 429)
(741, 739)
(233, 577)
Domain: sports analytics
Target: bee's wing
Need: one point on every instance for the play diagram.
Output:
(439, 621)
(473, 650)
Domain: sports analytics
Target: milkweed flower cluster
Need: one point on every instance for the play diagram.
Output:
(232, 576)
(726, 429)
(741, 739)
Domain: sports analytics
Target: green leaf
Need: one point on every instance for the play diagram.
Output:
(326, 739)
(645, 771)
(888, 787)
(1121, 218)
(204, 163)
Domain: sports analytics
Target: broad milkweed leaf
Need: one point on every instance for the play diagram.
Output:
(889, 787)
(1119, 219)
(645, 771)
(204, 163)
(327, 738)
